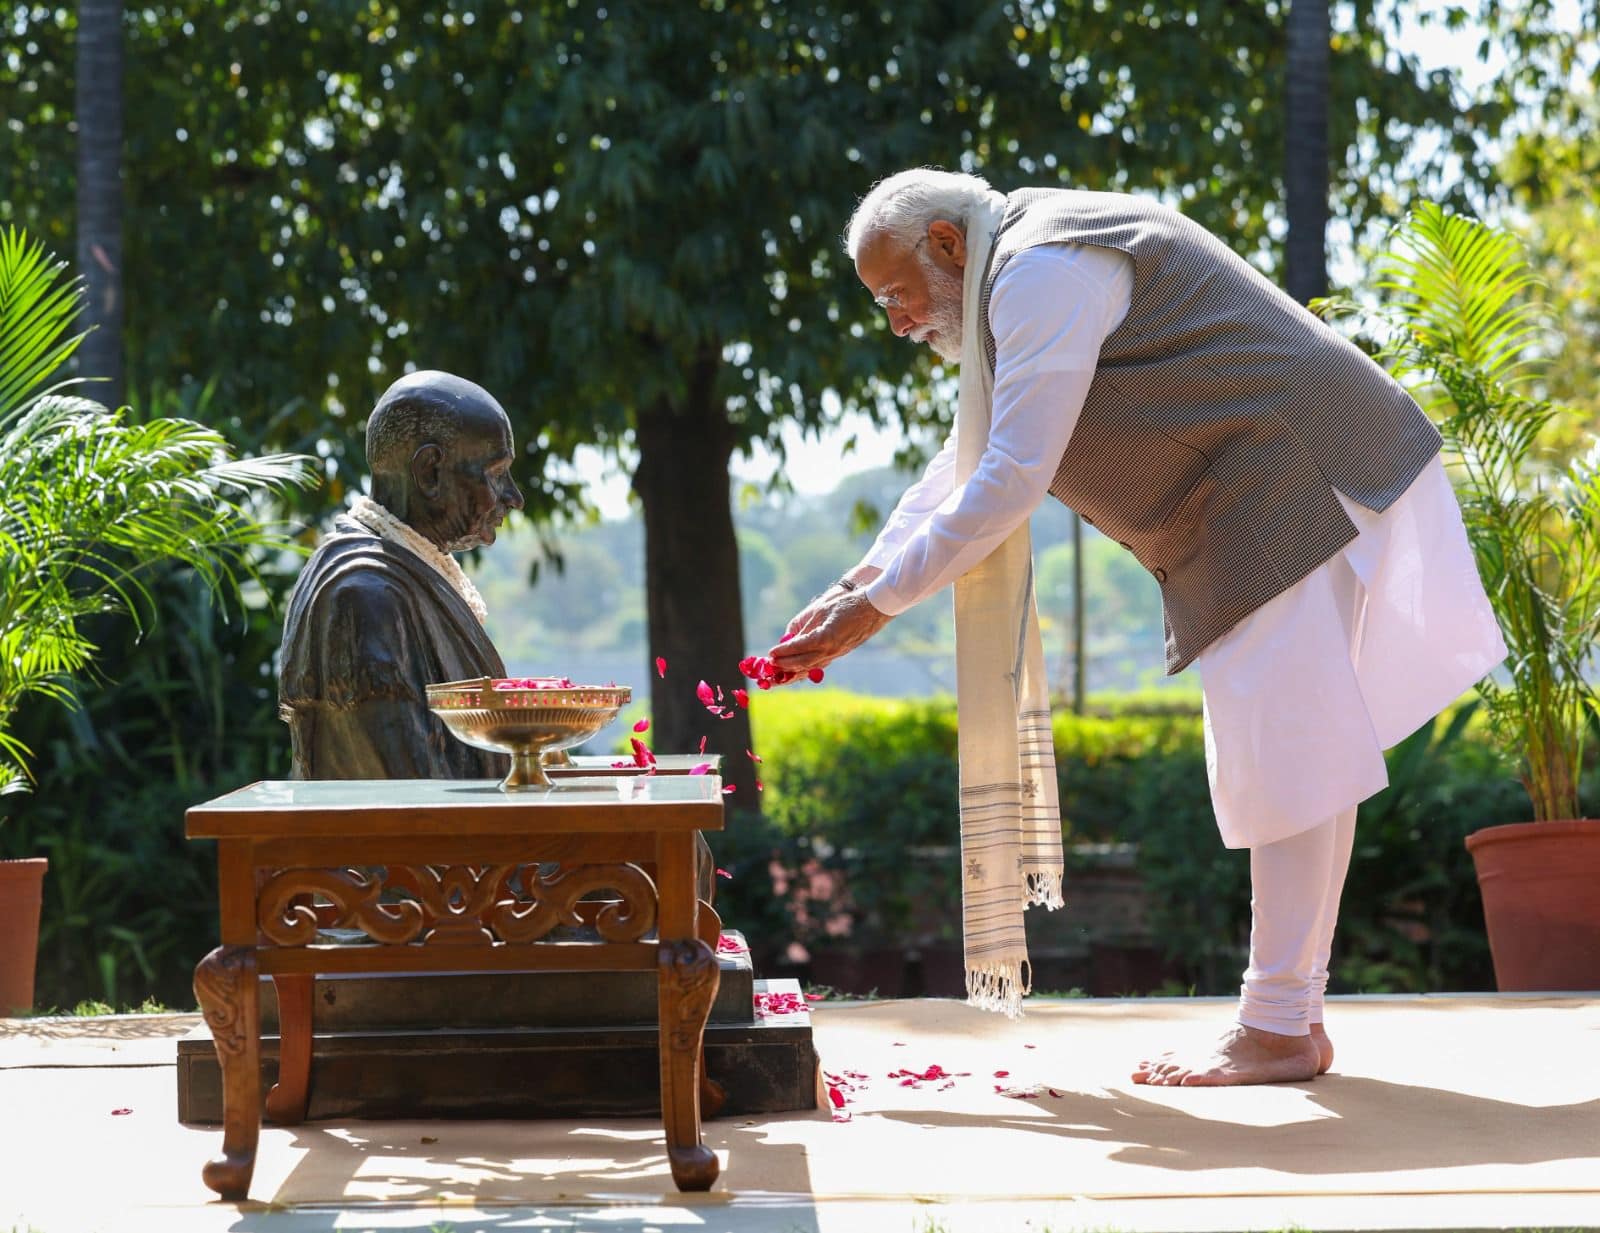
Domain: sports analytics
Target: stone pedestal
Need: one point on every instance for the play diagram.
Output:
(513, 1045)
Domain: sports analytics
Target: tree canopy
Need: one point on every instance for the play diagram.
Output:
(570, 203)
(623, 217)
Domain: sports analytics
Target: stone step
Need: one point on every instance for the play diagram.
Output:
(466, 1000)
(766, 1066)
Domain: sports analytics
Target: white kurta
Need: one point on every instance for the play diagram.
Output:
(1303, 696)
(1299, 701)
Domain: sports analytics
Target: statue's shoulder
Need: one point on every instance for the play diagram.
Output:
(350, 569)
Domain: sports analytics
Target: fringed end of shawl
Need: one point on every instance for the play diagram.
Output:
(1000, 986)
(1043, 887)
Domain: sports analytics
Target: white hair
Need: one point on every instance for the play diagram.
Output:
(905, 203)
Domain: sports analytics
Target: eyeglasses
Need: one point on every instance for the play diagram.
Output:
(891, 300)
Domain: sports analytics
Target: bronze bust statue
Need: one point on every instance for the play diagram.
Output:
(381, 610)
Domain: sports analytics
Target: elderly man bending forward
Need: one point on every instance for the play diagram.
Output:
(1284, 492)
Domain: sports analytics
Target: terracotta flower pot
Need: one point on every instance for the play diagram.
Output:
(21, 883)
(1541, 902)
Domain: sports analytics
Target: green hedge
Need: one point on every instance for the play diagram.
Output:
(860, 802)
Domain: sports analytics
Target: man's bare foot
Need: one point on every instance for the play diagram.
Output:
(1319, 1037)
(1243, 1055)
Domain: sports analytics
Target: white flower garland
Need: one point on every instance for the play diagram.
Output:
(385, 525)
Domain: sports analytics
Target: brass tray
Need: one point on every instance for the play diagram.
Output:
(529, 724)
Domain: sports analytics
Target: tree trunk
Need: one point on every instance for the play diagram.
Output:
(696, 619)
(1305, 163)
(99, 115)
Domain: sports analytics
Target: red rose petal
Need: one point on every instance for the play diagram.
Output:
(699, 768)
(754, 757)
(760, 787)
(703, 749)
(728, 789)
(742, 697)
(1001, 1074)
(661, 666)
(120, 1112)
(642, 726)
(815, 676)
(778, 1004)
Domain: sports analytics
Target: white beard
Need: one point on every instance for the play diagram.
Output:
(943, 330)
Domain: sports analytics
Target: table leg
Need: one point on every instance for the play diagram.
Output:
(226, 986)
(688, 985)
(286, 1102)
(712, 1094)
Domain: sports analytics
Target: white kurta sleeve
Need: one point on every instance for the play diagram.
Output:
(1051, 310)
(915, 505)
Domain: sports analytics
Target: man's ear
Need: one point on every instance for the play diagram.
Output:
(426, 465)
(949, 242)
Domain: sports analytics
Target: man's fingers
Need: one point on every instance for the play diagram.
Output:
(806, 660)
(797, 647)
(817, 648)
(804, 622)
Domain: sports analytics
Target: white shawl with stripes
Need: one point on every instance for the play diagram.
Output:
(1010, 814)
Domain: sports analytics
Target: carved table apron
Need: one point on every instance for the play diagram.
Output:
(444, 875)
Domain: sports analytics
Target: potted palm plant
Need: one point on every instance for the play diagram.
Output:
(1464, 328)
(89, 503)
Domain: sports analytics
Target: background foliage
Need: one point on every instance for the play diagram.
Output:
(598, 211)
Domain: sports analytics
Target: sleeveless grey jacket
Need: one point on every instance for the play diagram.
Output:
(1221, 419)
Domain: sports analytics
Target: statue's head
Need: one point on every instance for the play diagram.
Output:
(440, 452)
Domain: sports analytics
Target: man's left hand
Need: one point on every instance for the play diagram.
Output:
(849, 621)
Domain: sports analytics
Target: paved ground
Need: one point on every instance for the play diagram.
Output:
(1443, 1112)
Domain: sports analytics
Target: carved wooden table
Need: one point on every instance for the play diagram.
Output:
(444, 875)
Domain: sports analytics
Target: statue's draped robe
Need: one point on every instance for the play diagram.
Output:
(370, 625)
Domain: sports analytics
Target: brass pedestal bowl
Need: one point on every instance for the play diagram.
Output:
(527, 718)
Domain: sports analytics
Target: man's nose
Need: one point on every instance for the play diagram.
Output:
(513, 494)
(899, 321)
